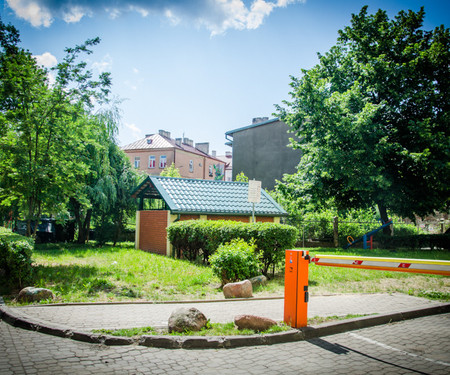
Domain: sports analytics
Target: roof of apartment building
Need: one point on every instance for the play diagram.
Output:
(257, 121)
(189, 196)
(162, 140)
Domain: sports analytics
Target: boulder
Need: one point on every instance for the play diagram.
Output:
(241, 289)
(184, 319)
(257, 323)
(32, 294)
(258, 280)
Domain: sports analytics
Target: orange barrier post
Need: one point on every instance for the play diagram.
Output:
(296, 294)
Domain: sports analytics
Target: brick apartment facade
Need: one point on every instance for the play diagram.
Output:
(156, 151)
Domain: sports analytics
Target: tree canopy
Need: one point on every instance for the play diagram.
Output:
(373, 118)
(58, 154)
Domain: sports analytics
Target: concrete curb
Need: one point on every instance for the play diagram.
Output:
(216, 342)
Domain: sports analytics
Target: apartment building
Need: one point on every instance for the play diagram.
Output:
(157, 151)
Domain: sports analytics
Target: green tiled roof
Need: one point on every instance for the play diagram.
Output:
(191, 196)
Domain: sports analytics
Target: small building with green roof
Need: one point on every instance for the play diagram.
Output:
(165, 200)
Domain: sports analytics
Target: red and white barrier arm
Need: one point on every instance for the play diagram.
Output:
(435, 267)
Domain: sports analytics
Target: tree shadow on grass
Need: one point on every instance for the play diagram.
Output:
(68, 279)
(77, 249)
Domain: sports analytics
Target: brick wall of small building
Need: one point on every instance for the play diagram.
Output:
(153, 234)
(153, 224)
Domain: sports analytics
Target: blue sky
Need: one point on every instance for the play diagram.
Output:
(198, 67)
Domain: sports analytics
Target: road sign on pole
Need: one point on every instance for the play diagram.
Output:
(254, 194)
(254, 191)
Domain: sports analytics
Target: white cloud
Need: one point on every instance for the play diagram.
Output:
(174, 20)
(135, 70)
(31, 11)
(74, 14)
(104, 65)
(141, 10)
(46, 59)
(217, 16)
(135, 131)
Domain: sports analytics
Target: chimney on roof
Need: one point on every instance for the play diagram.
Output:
(213, 153)
(228, 154)
(148, 135)
(188, 142)
(164, 133)
(257, 120)
(178, 141)
(203, 147)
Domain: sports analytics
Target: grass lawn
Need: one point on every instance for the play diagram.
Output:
(86, 274)
(326, 280)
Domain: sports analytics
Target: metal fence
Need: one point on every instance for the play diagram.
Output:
(429, 226)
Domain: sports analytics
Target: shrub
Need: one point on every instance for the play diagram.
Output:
(194, 238)
(15, 259)
(235, 261)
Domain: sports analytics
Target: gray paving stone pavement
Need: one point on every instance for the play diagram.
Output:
(417, 346)
(91, 316)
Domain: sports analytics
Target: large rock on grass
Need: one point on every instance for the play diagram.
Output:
(241, 289)
(184, 319)
(32, 294)
(256, 323)
(258, 281)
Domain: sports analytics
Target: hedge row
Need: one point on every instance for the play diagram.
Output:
(194, 238)
(421, 241)
(15, 259)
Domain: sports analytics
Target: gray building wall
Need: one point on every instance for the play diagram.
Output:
(261, 152)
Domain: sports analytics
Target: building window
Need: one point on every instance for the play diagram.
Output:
(137, 161)
(152, 161)
(191, 166)
(162, 161)
(210, 171)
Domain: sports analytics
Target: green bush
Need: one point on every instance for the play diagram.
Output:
(235, 261)
(193, 239)
(15, 259)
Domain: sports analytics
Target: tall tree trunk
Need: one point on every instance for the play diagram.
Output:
(87, 224)
(384, 218)
(81, 224)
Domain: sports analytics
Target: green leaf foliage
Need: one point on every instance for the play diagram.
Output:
(15, 260)
(171, 171)
(235, 261)
(192, 239)
(58, 152)
(373, 118)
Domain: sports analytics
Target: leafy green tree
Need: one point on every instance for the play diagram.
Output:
(218, 173)
(373, 118)
(48, 131)
(241, 177)
(41, 132)
(171, 171)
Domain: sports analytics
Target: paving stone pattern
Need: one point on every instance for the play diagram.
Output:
(86, 317)
(418, 346)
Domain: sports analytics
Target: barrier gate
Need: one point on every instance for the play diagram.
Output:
(296, 295)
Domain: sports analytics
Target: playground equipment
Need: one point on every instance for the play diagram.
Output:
(296, 294)
(367, 238)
